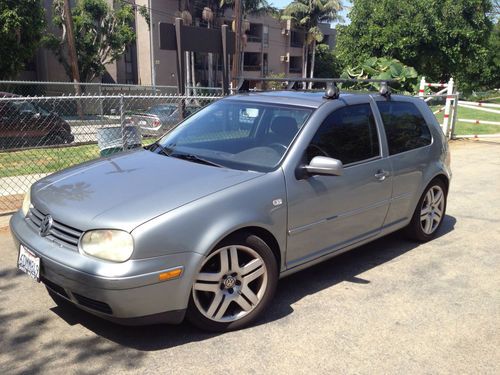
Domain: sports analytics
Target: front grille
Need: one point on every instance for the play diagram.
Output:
(93, 304)
(59, 233)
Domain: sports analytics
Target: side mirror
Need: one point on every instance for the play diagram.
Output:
(322, 165)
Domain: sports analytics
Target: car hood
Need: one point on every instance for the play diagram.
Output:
(128, 189)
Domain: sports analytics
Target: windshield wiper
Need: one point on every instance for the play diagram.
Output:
(167, 151)
(196, 159)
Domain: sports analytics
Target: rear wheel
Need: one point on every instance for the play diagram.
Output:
(53, 139)
(429, 214)
(234, 285)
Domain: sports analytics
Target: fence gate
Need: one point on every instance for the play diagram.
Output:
(450, 106)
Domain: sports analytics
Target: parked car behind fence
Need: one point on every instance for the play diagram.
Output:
(26, 123)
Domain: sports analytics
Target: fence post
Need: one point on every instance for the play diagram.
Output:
(101, 110)
(455, 115)
(447, 107)
(422, 87)
(122, 120)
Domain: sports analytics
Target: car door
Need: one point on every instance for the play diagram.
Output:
(409, 145)
(327, 213)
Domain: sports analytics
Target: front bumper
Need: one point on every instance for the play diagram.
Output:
(127, 293)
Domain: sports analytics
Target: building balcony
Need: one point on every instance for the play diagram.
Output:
(254, 39)
(252, 68)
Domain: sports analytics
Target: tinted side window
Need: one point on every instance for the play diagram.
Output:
(349, 134)
(404, 125)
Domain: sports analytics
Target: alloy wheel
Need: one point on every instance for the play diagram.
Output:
(231, 283)
(431, 212)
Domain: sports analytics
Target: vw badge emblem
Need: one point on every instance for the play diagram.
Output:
(45, 225)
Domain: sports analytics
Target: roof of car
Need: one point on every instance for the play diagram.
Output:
(300, 98)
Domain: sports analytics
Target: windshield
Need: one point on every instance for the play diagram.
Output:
(28, 107)
(163, 110)
(239, 135)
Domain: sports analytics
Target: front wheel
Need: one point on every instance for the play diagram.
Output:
(235, 284)
(429, 214)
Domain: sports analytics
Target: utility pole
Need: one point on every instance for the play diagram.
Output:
(73, 59)
(237, 49)
(151, 47)
(75, 73)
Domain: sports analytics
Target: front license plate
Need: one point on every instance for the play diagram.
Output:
(29, 263)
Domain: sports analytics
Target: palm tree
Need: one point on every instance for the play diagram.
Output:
(248, 7)
(308, 14)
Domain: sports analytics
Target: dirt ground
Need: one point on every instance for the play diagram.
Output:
(392, 306)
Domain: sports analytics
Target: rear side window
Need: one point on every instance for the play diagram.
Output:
(404, 125)
(349, 134)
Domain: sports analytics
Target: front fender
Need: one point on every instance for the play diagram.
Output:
(200, 225)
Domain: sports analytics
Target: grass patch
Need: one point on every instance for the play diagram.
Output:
(465, 128)
(47, 160)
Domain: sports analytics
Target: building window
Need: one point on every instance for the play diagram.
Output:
(252, 61)
(296, 39)
(265, 64)
(295, 64)
(255, 33)
(265, 36)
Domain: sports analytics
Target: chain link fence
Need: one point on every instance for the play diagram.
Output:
(38, 88)
(41, 135)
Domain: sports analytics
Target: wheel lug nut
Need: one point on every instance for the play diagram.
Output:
(238, 282)
(231, 290)
(234, 274)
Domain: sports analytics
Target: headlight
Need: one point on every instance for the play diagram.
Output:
(26, 202)
(108, 244)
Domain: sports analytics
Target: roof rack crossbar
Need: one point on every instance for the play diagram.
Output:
(317, 80)
(332, 91)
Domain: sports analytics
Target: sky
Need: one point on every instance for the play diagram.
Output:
(343, 13)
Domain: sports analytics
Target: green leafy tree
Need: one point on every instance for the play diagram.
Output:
(440, 38)
(21, 28)
(307, 14)
(102, 33)
(327, 64)
(493, 77)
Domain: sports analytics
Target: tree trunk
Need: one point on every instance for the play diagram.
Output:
(312, 63)
(304, 69)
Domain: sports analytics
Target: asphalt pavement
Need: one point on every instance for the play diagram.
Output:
(392, 307)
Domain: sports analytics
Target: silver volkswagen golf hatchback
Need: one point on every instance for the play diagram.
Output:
(203, 223)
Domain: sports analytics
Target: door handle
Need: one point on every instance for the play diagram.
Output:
(381, 175)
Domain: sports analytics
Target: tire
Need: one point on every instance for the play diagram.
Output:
(53, 139)
(227, 296)
(429, 213)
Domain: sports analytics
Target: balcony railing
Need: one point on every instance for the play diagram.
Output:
(296, 43)
(254, 38)
(294, 69)
(252, 68)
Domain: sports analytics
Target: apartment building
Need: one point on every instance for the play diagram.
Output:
(271, 47)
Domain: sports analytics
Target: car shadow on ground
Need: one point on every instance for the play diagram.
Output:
(345, 267)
